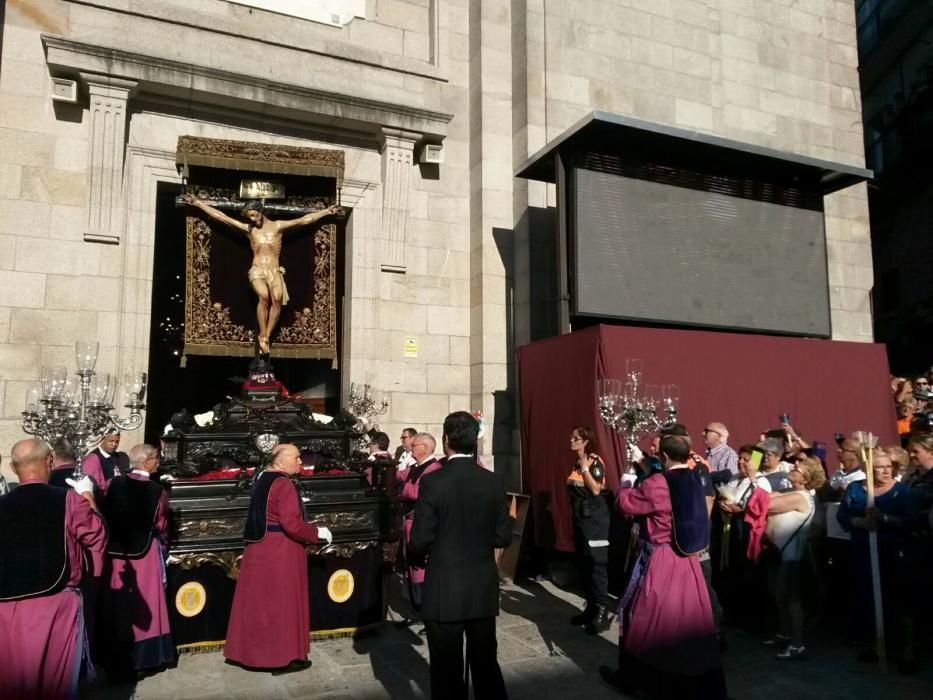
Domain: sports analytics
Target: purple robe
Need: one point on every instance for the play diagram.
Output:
(133, 611)
(92, 467)
(666, 621)
(270, 621)
(42, 639)
(410, 493)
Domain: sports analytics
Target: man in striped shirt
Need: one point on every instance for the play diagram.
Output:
(723, 460)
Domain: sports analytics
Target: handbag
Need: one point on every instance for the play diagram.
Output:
(771, 553)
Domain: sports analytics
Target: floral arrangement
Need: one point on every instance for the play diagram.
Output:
(478, 415)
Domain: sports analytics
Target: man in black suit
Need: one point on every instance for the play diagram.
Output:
(460, 518)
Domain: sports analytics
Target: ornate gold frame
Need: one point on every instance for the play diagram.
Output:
(209, 329)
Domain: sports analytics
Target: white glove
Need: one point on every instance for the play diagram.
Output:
(325, 534)
(82, 486)
(637, 454)
(628, 479)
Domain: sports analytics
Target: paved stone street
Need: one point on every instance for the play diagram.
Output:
(542, 657)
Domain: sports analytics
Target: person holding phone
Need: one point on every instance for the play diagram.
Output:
(740, 576)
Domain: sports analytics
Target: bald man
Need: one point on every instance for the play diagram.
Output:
(270, 622)
(133, 623)
(723, 460)
(44, 531)
(422, 446)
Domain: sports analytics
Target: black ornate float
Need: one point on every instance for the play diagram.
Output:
(210, 468)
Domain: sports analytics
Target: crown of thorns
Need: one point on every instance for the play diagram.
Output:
(254, 205)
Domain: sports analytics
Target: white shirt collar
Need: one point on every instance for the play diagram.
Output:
(141, 473)
(103, 452)
(458, 455)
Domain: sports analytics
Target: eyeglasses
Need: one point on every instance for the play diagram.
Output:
(710, 430)
(576, 439)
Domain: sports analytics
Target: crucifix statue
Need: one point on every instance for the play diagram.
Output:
(266, 276)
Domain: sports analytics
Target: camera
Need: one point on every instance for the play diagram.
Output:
(839, 438)
(922, 421)
(923, 395)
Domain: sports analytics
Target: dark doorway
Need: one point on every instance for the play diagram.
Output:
(207, 380)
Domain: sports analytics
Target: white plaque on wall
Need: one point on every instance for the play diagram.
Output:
(336, 13)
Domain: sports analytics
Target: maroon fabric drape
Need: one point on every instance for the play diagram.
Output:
(744, 381)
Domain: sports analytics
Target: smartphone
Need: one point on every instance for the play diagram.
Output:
(839, 438)
(755, 459)
(784, 419)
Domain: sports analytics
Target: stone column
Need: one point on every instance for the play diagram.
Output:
(491, 226)
(107, 106)
(397, 162)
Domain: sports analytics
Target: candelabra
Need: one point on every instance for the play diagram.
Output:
(362, 401)
(81, 410)
(632, 409)
(363, 404)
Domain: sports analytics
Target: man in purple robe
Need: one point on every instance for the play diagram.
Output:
(270, 622)
(103, 462)
(43, 530)
(667, 638)
(422, 451)
(133, 622)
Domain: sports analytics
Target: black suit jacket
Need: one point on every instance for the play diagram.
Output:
(461, 516)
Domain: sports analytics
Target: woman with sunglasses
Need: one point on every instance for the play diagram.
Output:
(586, 489)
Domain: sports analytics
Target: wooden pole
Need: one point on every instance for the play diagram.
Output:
(873, 553)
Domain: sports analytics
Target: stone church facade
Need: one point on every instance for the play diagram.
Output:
(448, 253)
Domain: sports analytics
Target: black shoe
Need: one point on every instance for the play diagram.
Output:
(614, 678)
(778, 641)
(601, 622)
(584, 616)
(293, 667)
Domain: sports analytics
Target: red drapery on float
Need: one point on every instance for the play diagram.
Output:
(744, 381)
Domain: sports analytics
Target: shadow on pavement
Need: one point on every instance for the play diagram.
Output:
(543, 622)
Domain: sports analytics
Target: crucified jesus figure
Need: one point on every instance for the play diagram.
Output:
(266, 276)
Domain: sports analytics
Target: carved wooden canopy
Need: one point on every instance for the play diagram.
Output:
(261, 157)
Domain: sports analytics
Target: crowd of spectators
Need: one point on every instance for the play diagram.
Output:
(790, 526)
(790, 537)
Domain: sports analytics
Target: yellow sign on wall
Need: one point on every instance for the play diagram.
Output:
(411, 346)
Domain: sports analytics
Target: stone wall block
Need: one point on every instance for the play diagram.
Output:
(447, 379)
(24, 148)
(11, 181)
(5, 314)
(53, 186)
(39, 326)
(418, 408)
(447, 320)
(19, 362)
(22, 289)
